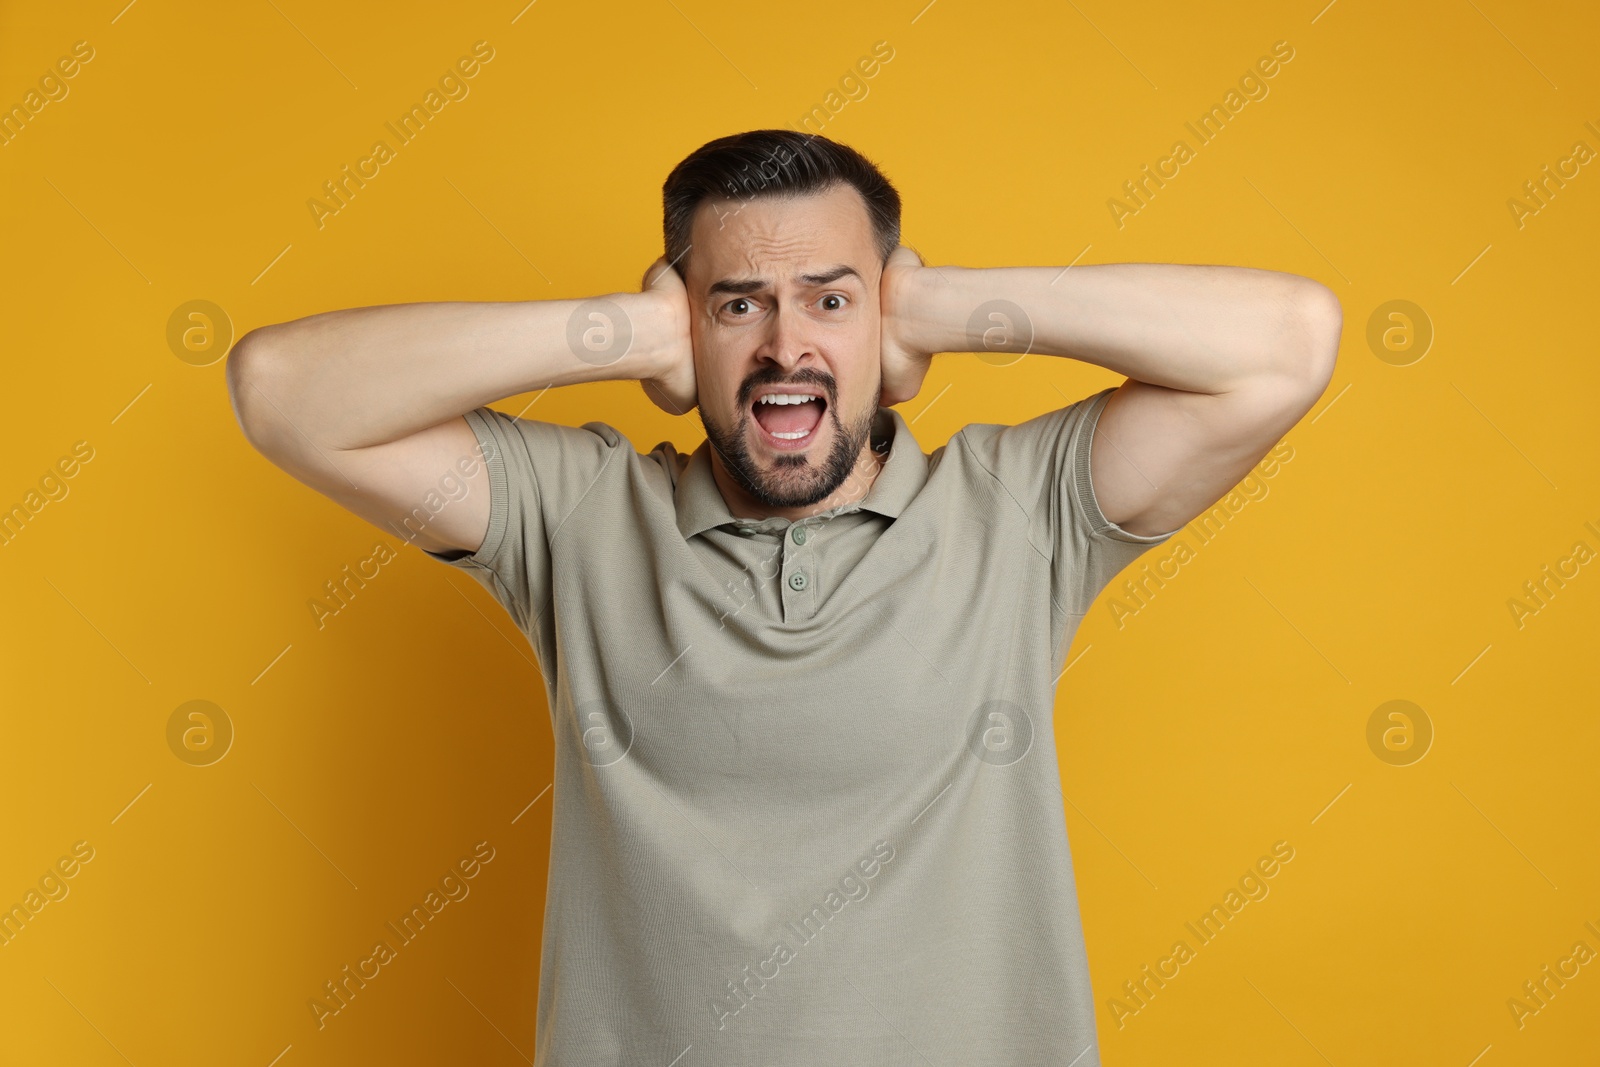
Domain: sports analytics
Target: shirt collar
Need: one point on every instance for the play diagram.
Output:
(700, 504)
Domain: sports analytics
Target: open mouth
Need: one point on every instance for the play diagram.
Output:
(788, 420)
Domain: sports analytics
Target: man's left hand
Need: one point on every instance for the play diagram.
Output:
(904, 363)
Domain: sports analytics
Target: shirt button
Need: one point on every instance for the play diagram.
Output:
(797, 580)
(798, 533)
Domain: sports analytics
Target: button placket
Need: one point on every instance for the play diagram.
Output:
(799, 578)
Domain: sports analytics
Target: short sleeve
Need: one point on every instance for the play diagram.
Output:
(1044, 465)
(538, 472)
(1090, 548)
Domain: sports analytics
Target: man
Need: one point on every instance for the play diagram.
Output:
(807, 806)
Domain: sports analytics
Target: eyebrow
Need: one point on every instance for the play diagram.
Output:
(746, 286)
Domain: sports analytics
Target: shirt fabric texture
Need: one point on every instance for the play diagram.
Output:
(807, 807)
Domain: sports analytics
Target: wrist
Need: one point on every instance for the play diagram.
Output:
(928, 311)
(655, 319)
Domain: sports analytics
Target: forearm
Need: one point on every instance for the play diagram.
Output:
(1207, 329)
(366, 376)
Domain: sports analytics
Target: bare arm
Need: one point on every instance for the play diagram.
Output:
(365, 405)
(1221, 361)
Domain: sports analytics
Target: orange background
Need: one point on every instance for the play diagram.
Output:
(371, 755)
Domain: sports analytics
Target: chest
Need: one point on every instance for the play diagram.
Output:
(770, 668)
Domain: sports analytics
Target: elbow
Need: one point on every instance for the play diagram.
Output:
(247, 368)
(1318, 325)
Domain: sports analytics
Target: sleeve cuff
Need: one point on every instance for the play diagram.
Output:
(1079, 449)
(491, 447)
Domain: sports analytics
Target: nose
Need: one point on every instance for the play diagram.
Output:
(787, 342)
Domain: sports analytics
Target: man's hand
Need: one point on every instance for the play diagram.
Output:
(673, 388)
(905, 359)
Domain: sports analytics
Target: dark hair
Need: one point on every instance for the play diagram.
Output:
(772, 163)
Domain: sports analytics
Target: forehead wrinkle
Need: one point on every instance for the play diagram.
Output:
(750, 253)
(761, 253)
(758, 257)
(808, 280)
(759, 248)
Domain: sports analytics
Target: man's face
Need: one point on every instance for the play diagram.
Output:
(783, 296)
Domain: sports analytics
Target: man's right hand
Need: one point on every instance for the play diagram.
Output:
(673, 390)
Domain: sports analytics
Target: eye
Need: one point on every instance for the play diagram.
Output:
(735, 302)
(834, 296)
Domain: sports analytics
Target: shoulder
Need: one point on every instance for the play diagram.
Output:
(1031, 446)
(564, 463)
(549, 439)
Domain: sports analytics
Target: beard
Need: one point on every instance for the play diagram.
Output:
(793, 480)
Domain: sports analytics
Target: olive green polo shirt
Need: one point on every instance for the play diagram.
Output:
(807, 805)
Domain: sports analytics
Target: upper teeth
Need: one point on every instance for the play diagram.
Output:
(786, 398)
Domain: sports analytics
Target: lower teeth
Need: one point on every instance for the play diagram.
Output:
(791, 436)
